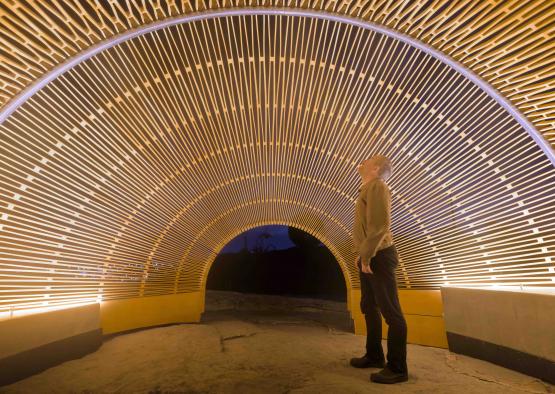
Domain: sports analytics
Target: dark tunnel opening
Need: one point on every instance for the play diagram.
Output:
(278, 260)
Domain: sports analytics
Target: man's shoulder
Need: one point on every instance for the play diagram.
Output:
(378, 184)
(377, 190)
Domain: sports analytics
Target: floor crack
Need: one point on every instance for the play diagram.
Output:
(238, 336)
(223, 339)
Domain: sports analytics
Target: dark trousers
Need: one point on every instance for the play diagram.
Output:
(379, 294)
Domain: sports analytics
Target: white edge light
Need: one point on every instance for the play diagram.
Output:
(506, 288)
(46, 309)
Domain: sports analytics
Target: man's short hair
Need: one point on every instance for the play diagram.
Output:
(384, 164)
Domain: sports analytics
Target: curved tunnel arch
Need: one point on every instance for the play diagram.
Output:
(184, 211)
(427, 111)
(342, 260)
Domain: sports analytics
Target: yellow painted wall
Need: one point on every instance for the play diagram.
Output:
(30, 331)
(423, 310)
(128, 314)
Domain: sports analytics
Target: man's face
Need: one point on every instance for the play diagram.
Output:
(367, 167)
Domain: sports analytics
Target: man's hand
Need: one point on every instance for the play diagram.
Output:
(365, 267)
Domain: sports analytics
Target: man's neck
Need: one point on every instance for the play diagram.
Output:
(368, 179)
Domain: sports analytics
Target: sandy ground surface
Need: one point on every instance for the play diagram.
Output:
(263, 344)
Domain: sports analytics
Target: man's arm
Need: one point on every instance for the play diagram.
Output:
(378, 212)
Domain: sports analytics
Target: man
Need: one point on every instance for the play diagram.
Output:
(376, 262)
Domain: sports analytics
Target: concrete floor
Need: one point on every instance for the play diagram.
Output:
(247, 345)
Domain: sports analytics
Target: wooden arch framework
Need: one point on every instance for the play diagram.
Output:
(123, 176)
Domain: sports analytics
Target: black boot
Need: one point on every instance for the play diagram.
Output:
(388, 376)
(365, 362)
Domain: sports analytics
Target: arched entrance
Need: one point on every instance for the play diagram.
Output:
(339, 259)
(278, 260)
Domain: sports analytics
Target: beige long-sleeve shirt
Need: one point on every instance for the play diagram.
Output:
(372, 224)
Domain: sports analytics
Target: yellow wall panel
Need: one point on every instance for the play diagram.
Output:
(423, 314)
(128, 314)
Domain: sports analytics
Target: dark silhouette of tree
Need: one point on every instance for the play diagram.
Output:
(302, 239)
(262, 244)
(245, 248)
